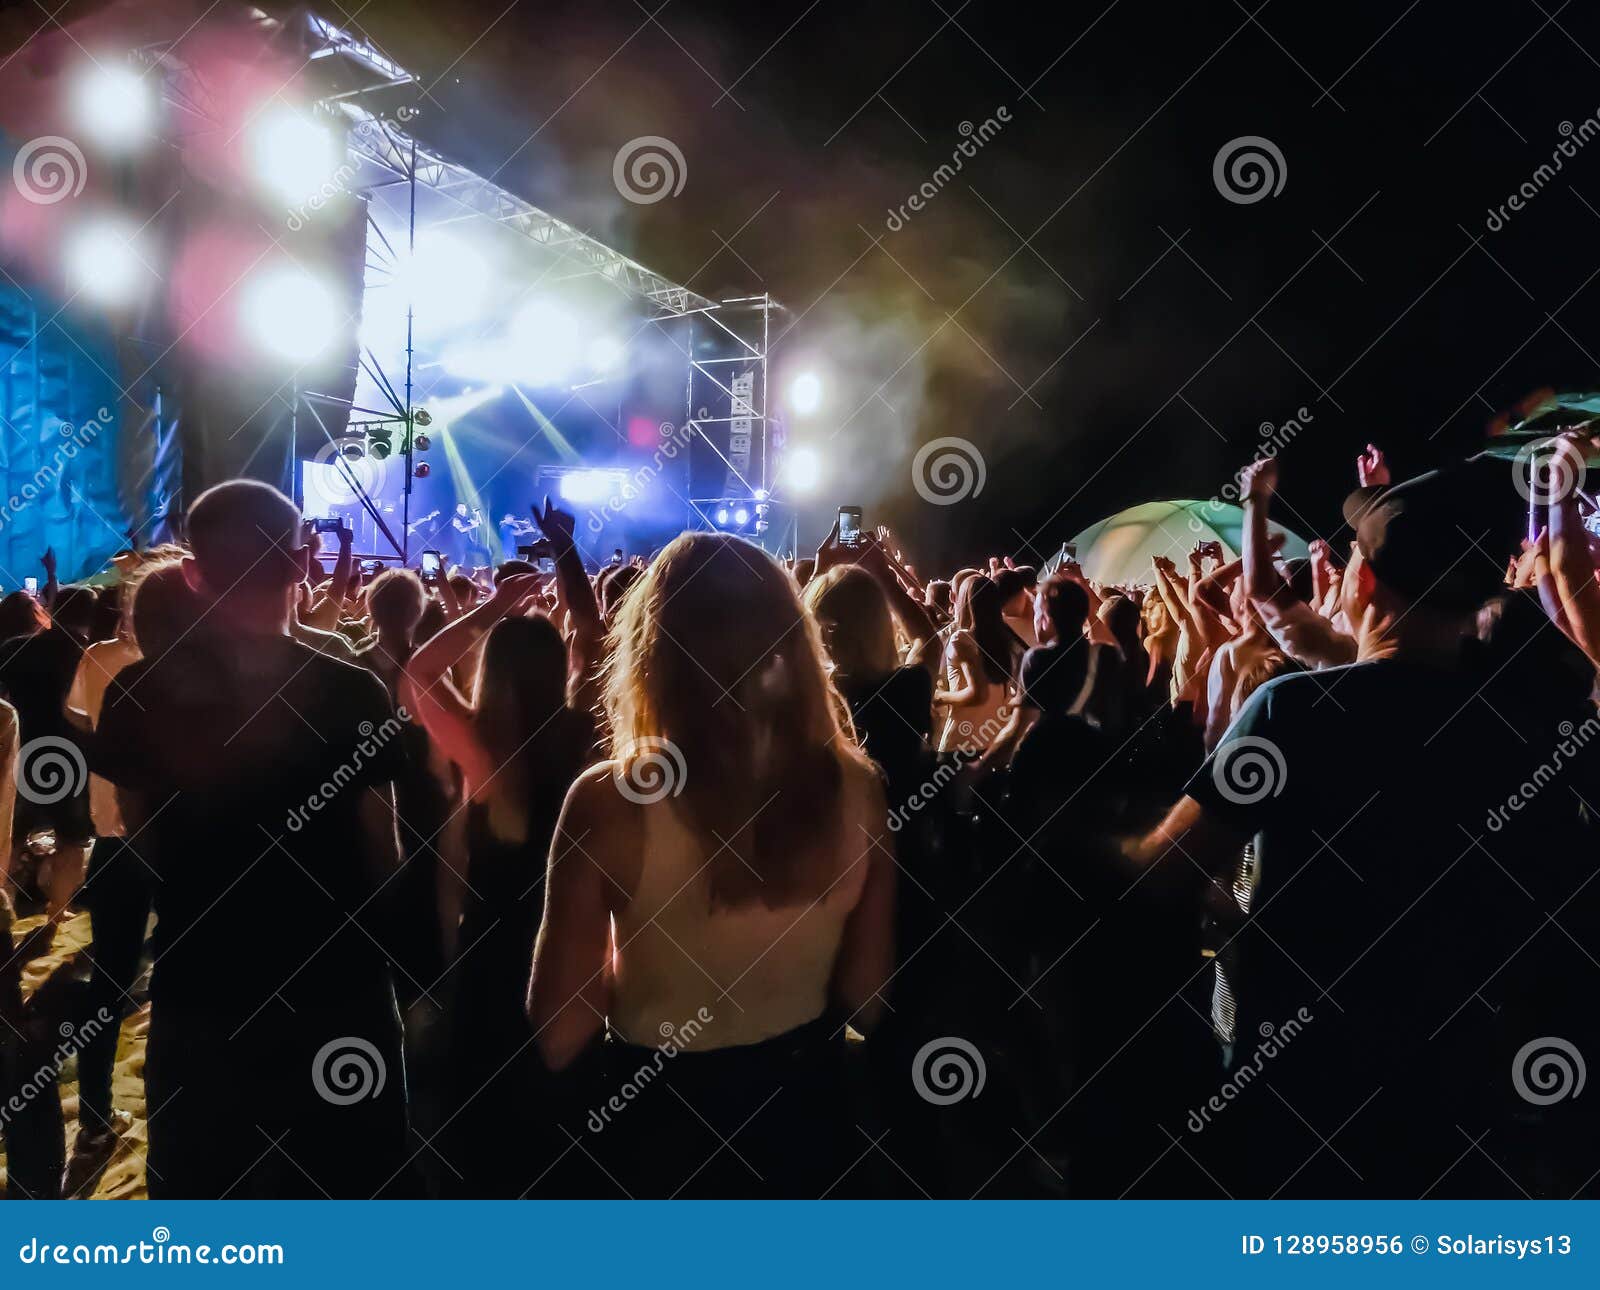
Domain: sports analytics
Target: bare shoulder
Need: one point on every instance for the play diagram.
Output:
(600, 823)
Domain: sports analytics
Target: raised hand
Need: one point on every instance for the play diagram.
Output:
(1371, 469)
(557, 525)
(1259, 480)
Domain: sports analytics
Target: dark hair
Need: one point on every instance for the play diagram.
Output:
(431, 623)
(511, 568)
(1302, 585)
(804, 570)
(522, 684)
(246, 537)
(1010, 582)
(1522, 660)
(1066, 605)
(614, 588)
(396, 599)
(980, 613)
(938, 596)
(21, 615)
(74, 610)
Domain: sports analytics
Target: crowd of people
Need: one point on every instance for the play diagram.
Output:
(725, 875)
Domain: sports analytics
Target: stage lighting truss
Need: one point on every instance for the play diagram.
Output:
(731, 384)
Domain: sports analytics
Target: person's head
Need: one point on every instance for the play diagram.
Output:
(979, 610)
(110, 614)
(461, 508)
(522, 683)
(1013, 588)
(1297, 573)
(615, 587)
(21, 615)
(248, 552)
(716, 662)
(857, 627)
(936, 596)
(74, 611)
(1153, 613)
(431, 623)
(511, 568)
(1258, 667)
(804, 570)
(1407, 565)
(395, 600)
(165, 607)
(1121, 617)
(1061, 610)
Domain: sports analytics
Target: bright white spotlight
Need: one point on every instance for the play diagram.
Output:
(722, 515)
(103, 264)
(802, 469)
(741, 516)
(805, 395)
(586, 487)
(289, 313)
(544, 344)
(114, 106)
(604, 353)
(293, 155)
(445, 280)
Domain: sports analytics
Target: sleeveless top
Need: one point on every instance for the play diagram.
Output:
(738, 975)
(974, 727)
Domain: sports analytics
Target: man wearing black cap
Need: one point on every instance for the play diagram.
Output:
(1379, 910)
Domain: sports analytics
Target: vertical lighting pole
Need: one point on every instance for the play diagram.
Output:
(411, 291)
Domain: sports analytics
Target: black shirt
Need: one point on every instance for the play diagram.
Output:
(252, 762)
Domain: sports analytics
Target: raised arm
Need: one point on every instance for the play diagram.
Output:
(577, 598)
(1572, 563)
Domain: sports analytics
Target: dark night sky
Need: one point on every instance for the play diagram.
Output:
(1099, 364)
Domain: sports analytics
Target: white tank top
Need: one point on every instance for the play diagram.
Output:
(741, 975)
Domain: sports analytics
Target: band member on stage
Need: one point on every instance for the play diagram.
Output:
(516, 530)
(468, 525)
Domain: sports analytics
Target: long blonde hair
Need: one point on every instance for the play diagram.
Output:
(717, 695)
(857, 628)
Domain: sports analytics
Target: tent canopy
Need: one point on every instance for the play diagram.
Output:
(1118, 549)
